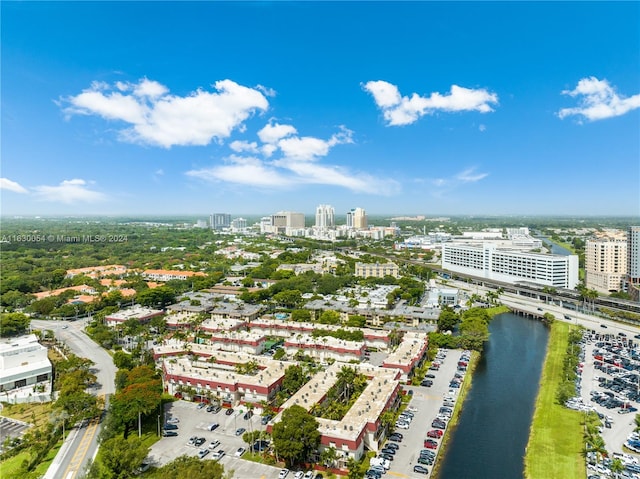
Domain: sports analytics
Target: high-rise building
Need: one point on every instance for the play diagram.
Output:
(605, 262)
(219, 221)
(287, 220)
(357, 218)
(633, 262)
(325, 216)
(238, 224)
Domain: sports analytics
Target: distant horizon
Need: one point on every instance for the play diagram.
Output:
(469, 108)
(205, 216)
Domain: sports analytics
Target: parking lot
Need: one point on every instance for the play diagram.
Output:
(192, 421)
(426, 403)
(621, 424)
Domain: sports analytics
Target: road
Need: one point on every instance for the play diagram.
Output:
(81, 444)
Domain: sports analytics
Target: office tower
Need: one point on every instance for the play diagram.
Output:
(286, 220)
(325, 216)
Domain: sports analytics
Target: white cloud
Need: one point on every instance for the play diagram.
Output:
(402, 110)
(7, 184)
(161, 119)
(598, 100)
(308, 148)
(266, 90)
(482, 127)
(243, 170)
(240, 146)
(272, 132)
(469, 176)
(69, 191)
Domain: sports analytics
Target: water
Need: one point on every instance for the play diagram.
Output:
(493, 430)
(555, 248)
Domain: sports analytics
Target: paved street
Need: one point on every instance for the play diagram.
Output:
(82, 444)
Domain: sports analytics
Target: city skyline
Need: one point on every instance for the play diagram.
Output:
(479, 108)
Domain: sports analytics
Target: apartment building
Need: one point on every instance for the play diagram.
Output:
(377, 270)
(325, 217)
(361, 427)
(213, 373)
(606, 262)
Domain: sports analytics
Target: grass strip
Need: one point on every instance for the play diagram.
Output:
(555, 438)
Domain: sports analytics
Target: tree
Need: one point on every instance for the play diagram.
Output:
(296, 436)
(617, 467)
(13, 324)
(189, 467)
(329, 317)
(119, 458)
(294, 379)
(328, 456)
(448, 319)
(279, 354)
(141, 394)
(357, 321)
(288, 298)
(301, 315)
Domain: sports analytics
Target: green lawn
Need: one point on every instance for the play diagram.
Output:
(10, 468)
(555, 439)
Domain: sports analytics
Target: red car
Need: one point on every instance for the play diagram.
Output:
(430, 444)
(437, 433)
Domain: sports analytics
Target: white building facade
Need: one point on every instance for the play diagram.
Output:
(510, 266)
(23, 362)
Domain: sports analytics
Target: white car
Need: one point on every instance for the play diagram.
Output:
(402, 425)
(283, 473)
(214, 444)
(240, 451)
(217, 455)
(308, 475)
(298, 475)
(173, 420)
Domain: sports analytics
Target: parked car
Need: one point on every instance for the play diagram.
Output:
(169, 433)
(170, 427)
(202, 453)
(213, 426)
(240, 431)
(217, 455)
(199, 442)
(430, 444)
(437, 433)
(229, 411)
(265, 419)
(283, 473)
(240, 451)
(420, 469)
(173, 420)
(247, 415)
(200, 405)
(213, 444)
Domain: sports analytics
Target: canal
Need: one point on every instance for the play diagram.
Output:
(493, 430)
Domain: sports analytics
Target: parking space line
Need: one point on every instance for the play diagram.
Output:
(397, 474)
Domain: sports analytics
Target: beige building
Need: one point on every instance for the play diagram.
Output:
(377, 270)
(284, 221)
(605, 262)
(357, 218)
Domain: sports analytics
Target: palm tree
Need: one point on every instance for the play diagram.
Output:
(617, 467)
(328, 456)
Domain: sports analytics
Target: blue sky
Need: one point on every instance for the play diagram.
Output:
(250, 108)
